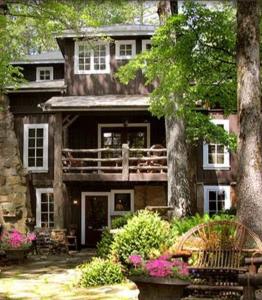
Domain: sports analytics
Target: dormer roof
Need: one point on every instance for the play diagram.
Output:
(50, 57)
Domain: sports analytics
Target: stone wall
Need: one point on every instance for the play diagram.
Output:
(14, 197)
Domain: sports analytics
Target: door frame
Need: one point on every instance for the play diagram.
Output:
(83, 211)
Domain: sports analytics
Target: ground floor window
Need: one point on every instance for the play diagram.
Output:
(45, 207)
(216, 198)
(122, 202)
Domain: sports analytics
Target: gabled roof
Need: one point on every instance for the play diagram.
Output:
(110, 30)
(50, 57)
(97, 103)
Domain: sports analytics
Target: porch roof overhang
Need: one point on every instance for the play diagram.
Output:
(97, 103)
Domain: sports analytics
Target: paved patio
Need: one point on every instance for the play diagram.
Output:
(54, 278)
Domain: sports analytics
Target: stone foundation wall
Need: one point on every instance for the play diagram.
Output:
(14, 199)
(150, 196)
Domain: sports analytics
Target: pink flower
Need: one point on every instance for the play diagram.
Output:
(136, 260)
(159, 267)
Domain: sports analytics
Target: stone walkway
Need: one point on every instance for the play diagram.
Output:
(53, 278)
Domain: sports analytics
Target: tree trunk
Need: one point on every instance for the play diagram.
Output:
(177, 155)
(249, 110)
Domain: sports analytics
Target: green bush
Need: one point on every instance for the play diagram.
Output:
(100, 272)
(104, 246)
(145, 234)
(121, 221)
(181, 226)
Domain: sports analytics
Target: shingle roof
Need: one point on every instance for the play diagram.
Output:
(94, 103)
(42, 58)
(49, 85)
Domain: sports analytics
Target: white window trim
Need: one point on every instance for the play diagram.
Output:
(144, 43)
(124, 42)
(83, 212)
(45, 148)
(226, 164)
(208, 188)
(39, 192)
(91, 71)
(50, 69)
(120, 213)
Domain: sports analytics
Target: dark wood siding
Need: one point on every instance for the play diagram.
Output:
(100, 84)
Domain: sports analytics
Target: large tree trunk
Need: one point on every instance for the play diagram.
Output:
(177, 155)
(249, 109)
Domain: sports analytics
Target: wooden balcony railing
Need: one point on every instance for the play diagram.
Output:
(123, 161)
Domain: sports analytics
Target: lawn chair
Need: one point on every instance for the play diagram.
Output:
(218, 250)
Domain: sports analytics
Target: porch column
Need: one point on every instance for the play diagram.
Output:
(59, 205)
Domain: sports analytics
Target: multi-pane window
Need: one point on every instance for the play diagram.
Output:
(122, 201)
(45, 208)
(146, 45)
(216, 156)
(125, 49)
(44, 73)
(91, 58)
(216, 199)
(36, 147)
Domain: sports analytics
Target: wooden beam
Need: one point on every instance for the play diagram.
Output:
(125, 163)
(58, 173)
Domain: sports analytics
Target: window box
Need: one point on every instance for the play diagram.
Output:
(44, 73)
(92, 58)
(122, 202)
(216, 156)
(216, 198)
(36, 147)
(125, 49)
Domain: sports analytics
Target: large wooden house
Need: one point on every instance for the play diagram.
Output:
(91, 147)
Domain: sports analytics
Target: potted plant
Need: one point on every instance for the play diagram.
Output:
(159, 278)
(16, 244)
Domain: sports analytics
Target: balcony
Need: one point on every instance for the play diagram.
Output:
(108, 164)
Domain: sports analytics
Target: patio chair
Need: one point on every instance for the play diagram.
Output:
(218, 249)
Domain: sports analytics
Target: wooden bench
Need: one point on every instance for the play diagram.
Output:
(218, 250)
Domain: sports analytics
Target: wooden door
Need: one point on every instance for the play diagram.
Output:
(96, 218)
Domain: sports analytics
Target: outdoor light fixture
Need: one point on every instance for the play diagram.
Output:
(75, 202)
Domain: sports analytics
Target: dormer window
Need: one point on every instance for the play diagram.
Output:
(125, 49)
(92, 58)
(44, 73)
(146, 45)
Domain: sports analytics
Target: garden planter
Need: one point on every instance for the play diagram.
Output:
(153, 288)
(16, 254)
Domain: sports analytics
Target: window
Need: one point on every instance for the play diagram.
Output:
(216, 198)
(122, 201)
(36, 147)
(45, 207)
(44, 73)
(92, 58)
(216, 156)
(125, 49)
(146, 45)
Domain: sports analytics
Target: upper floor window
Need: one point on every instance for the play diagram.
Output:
(216, 156)
(92, 58)
(45, 207)
(146, 45)
(216, 198)
(125, 49)
(36, 147)
(44, 73)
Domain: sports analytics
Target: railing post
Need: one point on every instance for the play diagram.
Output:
(125, 162)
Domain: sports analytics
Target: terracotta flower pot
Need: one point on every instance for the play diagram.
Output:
(154, 288)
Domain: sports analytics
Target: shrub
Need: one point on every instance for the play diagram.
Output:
(145, 233)
(104, 246)
(100, 272)
(121, 221)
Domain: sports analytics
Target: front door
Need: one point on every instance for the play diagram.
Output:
(94, 217)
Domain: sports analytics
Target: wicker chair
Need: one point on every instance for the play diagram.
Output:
(218, 249)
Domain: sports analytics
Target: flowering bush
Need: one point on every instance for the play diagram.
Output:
(14, 239)
(163, 266)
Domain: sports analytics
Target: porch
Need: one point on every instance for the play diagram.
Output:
(115, 164)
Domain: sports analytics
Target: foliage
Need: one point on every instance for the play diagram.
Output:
(100, 272)
(14, 239)
(104, 245)
(145, 233)
(193, 61)
(181, 226)
(163, 266)
(121, 221)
